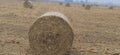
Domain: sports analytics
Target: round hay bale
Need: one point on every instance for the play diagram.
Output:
(67, 5)
(28, 4)
(51, 34)
(83, 5)
(88, 7)
(111, 7)
(60, 3)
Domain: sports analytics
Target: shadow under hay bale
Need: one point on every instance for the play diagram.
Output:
(28, 4)
(51, 34)
(87, 7)
(67, 5)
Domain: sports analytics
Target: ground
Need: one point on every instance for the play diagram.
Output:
(97, 31)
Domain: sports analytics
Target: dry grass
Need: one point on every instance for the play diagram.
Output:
(97, 30)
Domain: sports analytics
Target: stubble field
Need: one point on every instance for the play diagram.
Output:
(97, 31)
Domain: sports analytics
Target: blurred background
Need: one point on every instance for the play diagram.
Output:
(91, 2)
(98, 2)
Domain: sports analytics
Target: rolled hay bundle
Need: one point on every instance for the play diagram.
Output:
(51, 34)
(111, 7)
(28, 4)
(60, 3)
(87, 7)
(67, 5)
(83, 5)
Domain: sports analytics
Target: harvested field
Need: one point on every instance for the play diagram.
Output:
(97, 31)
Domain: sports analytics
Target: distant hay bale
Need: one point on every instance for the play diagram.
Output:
(51, 34)
(61, 3)
(87, 7)
(96, 5)
(111, 7)
(28, 4)
(67, 5)
(83, 5)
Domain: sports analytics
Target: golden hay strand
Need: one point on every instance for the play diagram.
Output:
(51, 34)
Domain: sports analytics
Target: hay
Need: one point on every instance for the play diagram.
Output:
(111, 7)
(28, 4)
(51, 34)
(61, 3)
(87, 7)
(67, 5)
(83, 5)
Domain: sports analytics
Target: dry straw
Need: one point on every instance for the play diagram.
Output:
(51, 34)
(28, 4)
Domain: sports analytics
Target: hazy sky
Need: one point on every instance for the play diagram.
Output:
(106, 1)
(114, 2)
